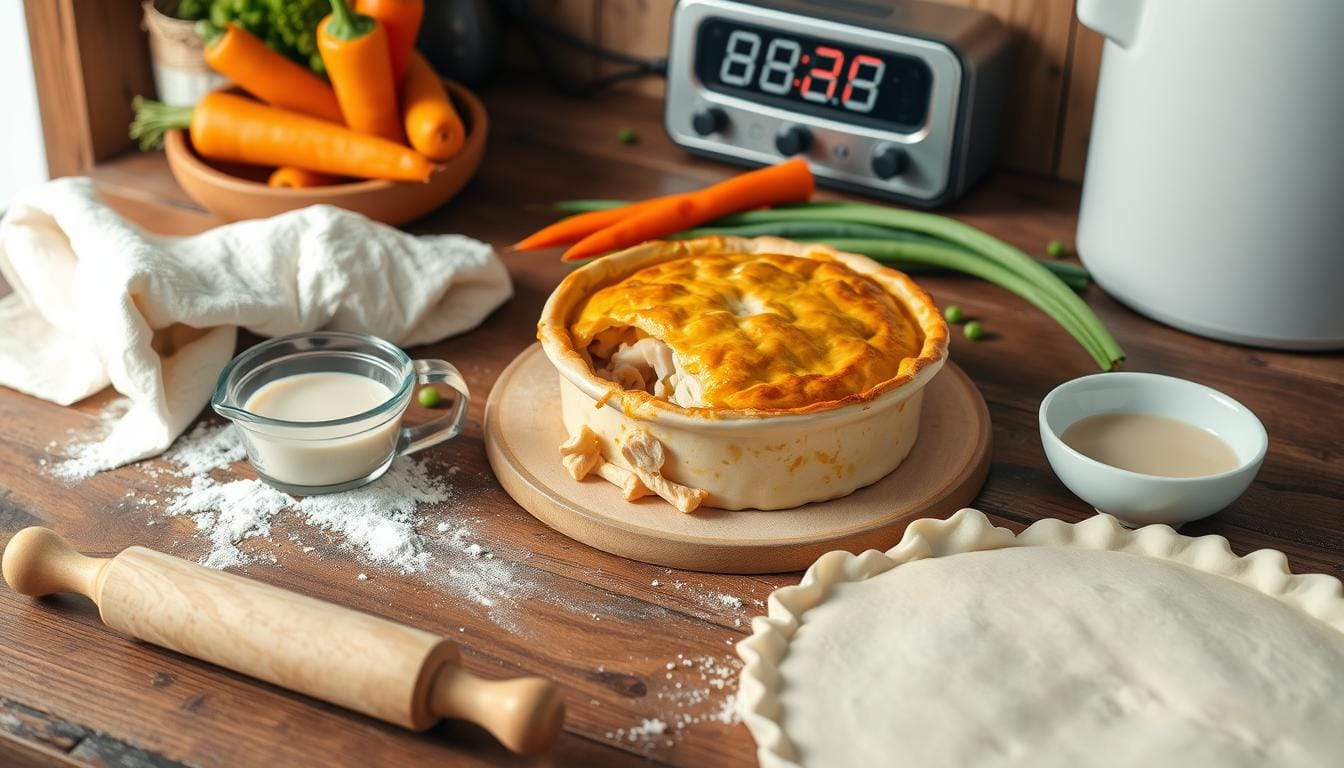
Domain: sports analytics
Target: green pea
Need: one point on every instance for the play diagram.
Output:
(627, 136)
(1056, 250)
(974, 330)
(429, 397)
(953, 314)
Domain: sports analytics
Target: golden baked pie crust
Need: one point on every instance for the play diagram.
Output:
(916, 336)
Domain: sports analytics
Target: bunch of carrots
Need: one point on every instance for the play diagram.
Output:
(384, 114)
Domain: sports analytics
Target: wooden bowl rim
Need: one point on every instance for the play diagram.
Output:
(177, 145)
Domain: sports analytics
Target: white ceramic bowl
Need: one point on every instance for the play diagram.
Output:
(1139, 499)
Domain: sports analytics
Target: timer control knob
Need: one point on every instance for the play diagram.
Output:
(793, 140)
(889, 162)
(709, 120)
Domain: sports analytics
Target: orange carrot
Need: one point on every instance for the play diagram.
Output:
(299, 178)
(354, 50)
(432, 125)
(237, 129)
(571, 230)
(401, 19)
(243, 58)
(788, 182)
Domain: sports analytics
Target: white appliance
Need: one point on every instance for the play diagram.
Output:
(1213, 199)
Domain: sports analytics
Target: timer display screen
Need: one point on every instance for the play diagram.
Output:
(814, 75)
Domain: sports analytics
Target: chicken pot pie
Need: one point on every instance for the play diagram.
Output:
(1066, 645)
(740, 373)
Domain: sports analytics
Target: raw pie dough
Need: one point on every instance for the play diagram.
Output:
(1070, 645)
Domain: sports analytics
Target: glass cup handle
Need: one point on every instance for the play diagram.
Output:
(447, 426)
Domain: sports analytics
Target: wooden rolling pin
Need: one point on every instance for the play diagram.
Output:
(378, 667)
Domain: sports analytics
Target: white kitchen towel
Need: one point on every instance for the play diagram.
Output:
(98, 301)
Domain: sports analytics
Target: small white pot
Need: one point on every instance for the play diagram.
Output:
(1139, 499)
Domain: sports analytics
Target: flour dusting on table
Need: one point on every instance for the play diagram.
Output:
(86, 455)
(693, 690)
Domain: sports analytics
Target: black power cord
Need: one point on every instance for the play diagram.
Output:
(539, 27)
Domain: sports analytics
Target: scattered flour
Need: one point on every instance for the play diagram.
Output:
(86, 455)
(208, 446)
(377, 521)
(228, 513)
(695, 689)
(706, 598)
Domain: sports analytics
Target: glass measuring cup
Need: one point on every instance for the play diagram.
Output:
(311, 457)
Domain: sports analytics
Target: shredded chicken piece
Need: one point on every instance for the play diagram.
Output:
(582, 456)
(645, 456)
(648, 365)
(581, 453)
(629, 483)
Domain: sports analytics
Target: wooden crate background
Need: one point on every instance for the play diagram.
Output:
(1054, 83)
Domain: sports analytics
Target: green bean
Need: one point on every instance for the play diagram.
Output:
(584, 206)
(1073, 275)
(803, 229)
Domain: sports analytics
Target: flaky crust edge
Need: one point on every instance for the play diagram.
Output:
(553, 327)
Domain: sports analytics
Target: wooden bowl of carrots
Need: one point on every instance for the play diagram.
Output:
(234, 191)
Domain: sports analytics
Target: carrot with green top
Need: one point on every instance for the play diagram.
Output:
(224, 126)
(432, 124)
(243, 58)
(401, 19)
(788, 182)
(354, 50)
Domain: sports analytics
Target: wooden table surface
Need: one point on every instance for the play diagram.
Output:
(616, 634)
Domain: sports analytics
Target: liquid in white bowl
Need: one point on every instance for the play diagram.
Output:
(1150, 445)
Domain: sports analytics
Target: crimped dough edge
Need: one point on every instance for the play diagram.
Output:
(1266, 571)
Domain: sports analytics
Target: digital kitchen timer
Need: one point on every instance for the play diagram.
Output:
(899, 99)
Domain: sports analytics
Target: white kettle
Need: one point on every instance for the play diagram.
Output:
(1213, 199)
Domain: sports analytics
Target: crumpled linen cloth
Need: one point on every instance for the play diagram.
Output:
(98, 301)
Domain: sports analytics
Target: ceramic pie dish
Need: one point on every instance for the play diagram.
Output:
(1065, 645)
(696, 369)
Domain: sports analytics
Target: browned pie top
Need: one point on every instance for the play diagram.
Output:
(760, 330)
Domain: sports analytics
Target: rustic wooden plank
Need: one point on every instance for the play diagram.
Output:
(59, 79)
(1041, 31)
(1079, 99)
(639, 28)
(598, 624)
(113, 53)
(18, 753)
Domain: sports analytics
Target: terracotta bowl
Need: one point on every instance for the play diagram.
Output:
(232, 191)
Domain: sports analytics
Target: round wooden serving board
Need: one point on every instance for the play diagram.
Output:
(943, 473)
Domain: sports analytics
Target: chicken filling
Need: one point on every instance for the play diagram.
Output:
(647, 365)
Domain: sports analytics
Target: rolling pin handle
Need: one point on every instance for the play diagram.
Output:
(525, 714)
(39, 562)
